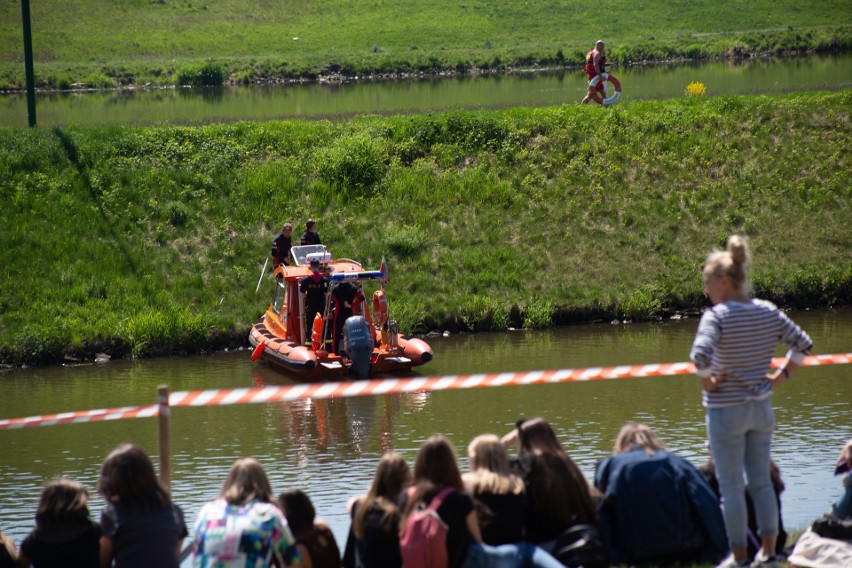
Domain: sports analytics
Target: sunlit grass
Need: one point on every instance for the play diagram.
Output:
(149, 240)
(112, 44)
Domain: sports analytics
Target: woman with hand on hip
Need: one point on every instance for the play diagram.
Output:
(732, 351)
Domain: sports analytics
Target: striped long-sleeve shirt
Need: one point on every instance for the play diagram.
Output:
(737, 340)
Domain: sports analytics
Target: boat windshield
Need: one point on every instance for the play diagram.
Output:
(300, 253)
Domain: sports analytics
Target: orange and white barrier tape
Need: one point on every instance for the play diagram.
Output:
(221, 397)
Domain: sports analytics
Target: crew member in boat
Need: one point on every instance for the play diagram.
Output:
(310, 236)
(281, 246)
(347, 301)
(314, 287)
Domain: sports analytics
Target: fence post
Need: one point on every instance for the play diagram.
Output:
(28, 62)
(164, 413)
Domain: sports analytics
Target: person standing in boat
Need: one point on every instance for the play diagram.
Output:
(595, 63)
(310, 236)
(314, 287)
(281, 246)
(347, 299)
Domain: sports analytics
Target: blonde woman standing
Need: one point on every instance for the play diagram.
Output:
(732, 351)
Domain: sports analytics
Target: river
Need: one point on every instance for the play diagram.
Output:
(316, 101)
(330, 448)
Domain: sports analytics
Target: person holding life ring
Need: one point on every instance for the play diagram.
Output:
(595, 65)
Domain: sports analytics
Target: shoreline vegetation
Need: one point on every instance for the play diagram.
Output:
(142, 241)
(232, 74)
(84, 45)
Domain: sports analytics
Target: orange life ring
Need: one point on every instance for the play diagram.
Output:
(380, 308)
(316, 332)
(593, 89)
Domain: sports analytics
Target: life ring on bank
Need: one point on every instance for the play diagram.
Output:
(593, 89)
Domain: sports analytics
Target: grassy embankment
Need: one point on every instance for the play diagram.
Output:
(164, 42)
(150, 240)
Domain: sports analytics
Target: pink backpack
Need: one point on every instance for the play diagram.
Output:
(423, 543)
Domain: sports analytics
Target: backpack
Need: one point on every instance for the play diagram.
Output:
(423, 543)
(581, 546)
(829, 526)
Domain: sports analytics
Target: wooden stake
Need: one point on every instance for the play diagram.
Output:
(164, 412)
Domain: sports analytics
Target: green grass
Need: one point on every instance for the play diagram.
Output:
(141, 241)
(161, 41)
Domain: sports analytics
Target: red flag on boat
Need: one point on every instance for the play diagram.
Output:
(384, 270)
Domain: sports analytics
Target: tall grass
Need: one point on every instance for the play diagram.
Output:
(174, 41)
(141, 241)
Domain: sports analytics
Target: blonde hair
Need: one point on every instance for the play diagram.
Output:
(731, 262)
(636, 434)
(247, 481)
(489, 467)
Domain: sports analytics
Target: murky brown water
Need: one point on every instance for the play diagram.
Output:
(330, 448)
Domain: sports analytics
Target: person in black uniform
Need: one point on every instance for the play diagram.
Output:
(314, 287)
(281, 246)
(345, 295)
(310, 236)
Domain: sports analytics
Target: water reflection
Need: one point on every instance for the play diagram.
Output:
(312, 101)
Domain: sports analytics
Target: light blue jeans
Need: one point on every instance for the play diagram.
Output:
(740, 439)
(843, 507)
(516, 555)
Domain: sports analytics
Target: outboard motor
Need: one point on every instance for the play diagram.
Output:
(358, 345)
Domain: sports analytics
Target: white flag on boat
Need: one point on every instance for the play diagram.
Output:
(383, 268)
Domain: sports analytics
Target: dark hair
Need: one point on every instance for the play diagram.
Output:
(436, 463)
(63, 501)
(555, 485)
(434, 468)
(127, 478)
(310, 224)
(246, 481)
(391, 478)
(298, 510)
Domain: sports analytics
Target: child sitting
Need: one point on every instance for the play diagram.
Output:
(64, 536)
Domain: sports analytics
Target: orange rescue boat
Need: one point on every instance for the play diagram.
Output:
(370, 343)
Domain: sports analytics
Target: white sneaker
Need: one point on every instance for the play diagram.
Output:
(731, 562)
(761, 561)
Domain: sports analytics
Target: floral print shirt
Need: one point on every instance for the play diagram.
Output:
(242, 536)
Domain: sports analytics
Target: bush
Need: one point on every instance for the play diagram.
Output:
(204, 75)
(539, 315)
(357, 162)
(40, 344)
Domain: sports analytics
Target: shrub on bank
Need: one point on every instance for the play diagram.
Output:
(204, 75)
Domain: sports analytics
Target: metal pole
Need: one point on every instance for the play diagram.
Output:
(164, 412)
(28, 63)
